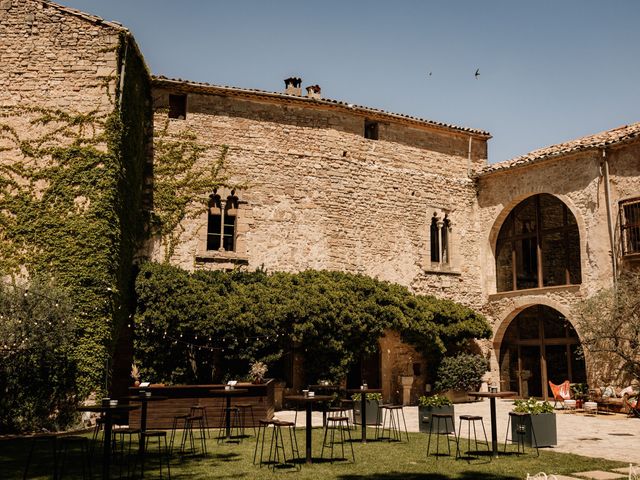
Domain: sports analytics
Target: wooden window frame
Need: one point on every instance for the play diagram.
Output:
(538, 235)
(629, 230)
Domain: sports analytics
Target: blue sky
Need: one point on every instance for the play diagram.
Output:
(550, 71)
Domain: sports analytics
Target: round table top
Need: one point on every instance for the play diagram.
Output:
(107, 408)
(140, 398)
(504, 394)
(305, 398)
(223, 392)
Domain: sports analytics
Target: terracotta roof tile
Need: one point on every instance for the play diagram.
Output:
(211, 88)
(623, 134)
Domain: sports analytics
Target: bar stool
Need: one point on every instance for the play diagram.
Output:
(185, 433)
(245, 409)
(198, 422)
(348, 406)
(441, 420)
(520, 421)
(50, 439)
(471, 419)
(119, 435)
(162, 452)
(277, 445)
(201, 410)
(262, 431)
(341, 424)
(69, 442)
(188, 422)
(392, 413)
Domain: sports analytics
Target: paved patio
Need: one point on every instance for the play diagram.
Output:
(614, 437)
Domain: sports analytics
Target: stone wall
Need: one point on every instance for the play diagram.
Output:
(577, 180)
(319, 195)
(51, 58)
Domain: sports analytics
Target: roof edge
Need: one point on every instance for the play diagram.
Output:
(86, 16)
(598, 142)
(165, 81)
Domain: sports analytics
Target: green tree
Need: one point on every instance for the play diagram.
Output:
(197, 327)
(38, 368)
(609, 326)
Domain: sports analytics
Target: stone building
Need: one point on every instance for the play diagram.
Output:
(312, 183)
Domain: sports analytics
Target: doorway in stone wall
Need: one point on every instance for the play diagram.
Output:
(366, 369)
(540, 345)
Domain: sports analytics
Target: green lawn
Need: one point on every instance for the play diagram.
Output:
(376, 460)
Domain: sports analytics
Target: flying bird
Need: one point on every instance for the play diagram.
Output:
(477, 74)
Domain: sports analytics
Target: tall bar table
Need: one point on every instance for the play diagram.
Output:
(308, 402)
(144, 400)
(227, 393)
(492, 404)
(107, 411)
(363, 407)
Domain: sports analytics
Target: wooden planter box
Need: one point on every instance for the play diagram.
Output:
(424, 418)
(372, 412)
(545, 428)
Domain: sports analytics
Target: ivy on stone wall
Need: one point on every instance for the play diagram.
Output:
(203, 326)
(70, 209)
(182, 182)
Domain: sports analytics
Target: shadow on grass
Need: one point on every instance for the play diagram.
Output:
(467, 475)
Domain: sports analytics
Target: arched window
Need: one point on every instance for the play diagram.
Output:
(538, 246)
(221, 226)
(439, 238)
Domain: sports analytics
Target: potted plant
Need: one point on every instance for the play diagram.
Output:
(373, 401)
(427, 406)
(579, 391)
(540, 416)
(257, 372)
(135, 374)
(460, 374)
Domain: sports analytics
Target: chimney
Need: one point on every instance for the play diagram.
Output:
(292, 86)
(314, 91)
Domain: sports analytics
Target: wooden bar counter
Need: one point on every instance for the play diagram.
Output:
(180, 398)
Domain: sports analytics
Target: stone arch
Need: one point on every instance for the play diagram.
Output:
(521, 304)
(493, 233)
(536, 341)
(515, 201)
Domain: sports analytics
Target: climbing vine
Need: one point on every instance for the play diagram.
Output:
(182, 182)
(70, 208)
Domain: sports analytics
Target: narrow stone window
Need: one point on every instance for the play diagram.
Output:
(370, 130)
(439, 237)
(178, 106)
(214, 231)
(221, 227)
(630, 226)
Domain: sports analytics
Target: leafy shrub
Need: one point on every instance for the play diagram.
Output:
(356, 397)
(200, 327)
(434, 401)
(462, 372)
(532, 406)
(37, 364)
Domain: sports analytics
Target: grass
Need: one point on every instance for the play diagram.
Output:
(377, 460)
